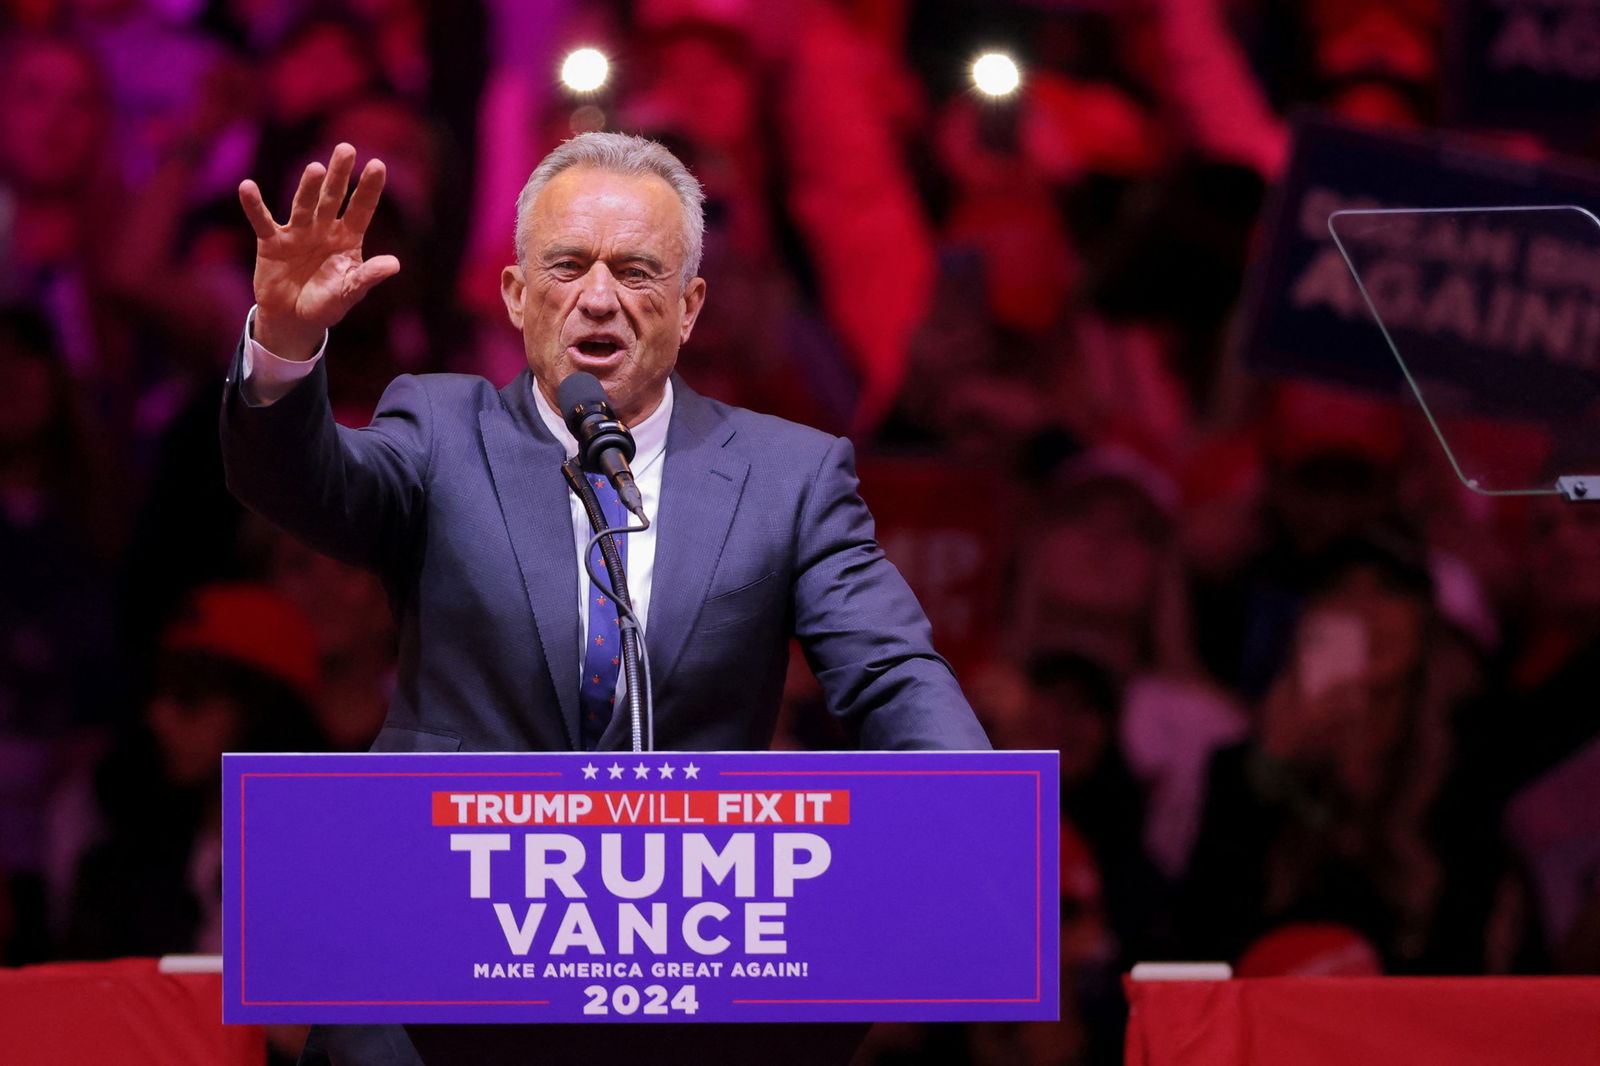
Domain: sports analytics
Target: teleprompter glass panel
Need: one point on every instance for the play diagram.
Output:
(1494, 316)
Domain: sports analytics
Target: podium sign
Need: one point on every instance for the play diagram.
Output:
(663, 887)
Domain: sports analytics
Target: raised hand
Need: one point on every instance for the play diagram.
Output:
(309, 272)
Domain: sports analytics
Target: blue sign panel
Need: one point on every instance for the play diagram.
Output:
(1305, 316)
(663, 887)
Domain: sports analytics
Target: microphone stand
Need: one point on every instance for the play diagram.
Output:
(635, 662)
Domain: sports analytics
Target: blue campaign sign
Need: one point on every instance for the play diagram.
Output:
(663, 887)
(1524, 65)
(1466, 285)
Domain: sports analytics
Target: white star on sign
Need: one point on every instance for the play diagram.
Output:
(691, 771)
(615, 771)
(665, 770)
(641, 770)
(589, 772)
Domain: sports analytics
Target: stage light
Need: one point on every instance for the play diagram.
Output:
(584, 70)
(995, 74)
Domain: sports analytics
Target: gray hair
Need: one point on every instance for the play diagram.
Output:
(621, 153)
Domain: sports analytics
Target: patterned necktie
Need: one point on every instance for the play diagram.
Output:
(602, 647)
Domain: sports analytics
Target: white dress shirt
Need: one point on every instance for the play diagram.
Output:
(267, 378)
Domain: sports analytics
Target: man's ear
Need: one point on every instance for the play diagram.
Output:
(512, 285)
(694, 298)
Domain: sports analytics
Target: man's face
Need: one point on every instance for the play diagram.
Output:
(602, 289)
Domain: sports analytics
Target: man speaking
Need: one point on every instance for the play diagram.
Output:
(455, 496)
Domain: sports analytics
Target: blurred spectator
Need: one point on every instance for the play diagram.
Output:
(1220, 518)
(1094, 576)
(1101, 579)
(1526, 758)
(151, 101)
(1552, 830)
(399, 29)
(55, 474)
(58, 199)
(1561, 638)
(348, 614)
(1330, 465)
(322, 63)
(1328, 815)
(186, 532)
(176, 264)
(238, 671)
(796, 368)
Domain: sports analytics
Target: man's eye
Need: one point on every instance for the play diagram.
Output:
(635, 274)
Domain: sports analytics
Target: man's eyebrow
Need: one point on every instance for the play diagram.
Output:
(650, 261)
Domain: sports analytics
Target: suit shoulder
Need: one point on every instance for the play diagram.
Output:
(445, 395)
(455, 388)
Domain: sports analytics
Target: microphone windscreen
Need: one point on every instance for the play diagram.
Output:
(579, 392)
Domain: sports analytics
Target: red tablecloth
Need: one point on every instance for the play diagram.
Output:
(119, 1013)
(1312, 1021)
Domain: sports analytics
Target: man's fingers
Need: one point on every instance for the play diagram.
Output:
(305, 197)
(255, 209)
(337, 183)
(364, 201)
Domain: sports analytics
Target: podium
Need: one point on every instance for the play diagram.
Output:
(538, 896)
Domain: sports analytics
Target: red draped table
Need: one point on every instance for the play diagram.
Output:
(119, 1013)
(1311, 1021)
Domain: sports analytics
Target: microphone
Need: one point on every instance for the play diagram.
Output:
(604, 444)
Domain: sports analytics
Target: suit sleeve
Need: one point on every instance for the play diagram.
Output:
(355, 495)
(864, 634)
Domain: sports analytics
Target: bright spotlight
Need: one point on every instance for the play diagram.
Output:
(995, 74)
(585, 70)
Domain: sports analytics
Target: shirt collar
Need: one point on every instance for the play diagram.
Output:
(649, 436)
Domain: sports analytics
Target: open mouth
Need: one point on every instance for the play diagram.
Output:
(597, 349)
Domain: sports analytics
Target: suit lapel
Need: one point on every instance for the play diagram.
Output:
(525, 462)
(700, 488)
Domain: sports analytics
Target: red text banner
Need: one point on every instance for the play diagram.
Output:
(697, 807)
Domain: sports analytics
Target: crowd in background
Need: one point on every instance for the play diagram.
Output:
(1320, 709)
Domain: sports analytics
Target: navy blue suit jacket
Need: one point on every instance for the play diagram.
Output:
(454, 496)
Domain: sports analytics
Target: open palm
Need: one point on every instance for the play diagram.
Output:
(310, 272)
